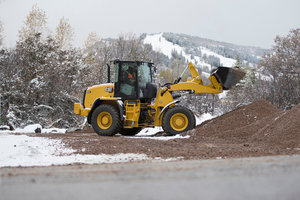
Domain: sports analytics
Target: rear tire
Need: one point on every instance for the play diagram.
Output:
(129, 131)
(106, 120)
(178, 119)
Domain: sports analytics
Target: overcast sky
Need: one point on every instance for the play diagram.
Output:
(246, 22)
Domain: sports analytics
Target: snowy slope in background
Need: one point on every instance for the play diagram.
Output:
(160, 44)
(204, 53)
(226, 62)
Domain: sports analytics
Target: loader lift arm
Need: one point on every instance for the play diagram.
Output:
(195, 84)
(165, 99)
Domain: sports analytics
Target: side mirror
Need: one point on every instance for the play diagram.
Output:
(108, 73)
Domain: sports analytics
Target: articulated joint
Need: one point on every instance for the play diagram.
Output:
(121, 109)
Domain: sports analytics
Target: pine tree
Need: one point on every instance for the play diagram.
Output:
(238, 64)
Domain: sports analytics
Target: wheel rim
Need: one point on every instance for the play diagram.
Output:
(179, 122)
(104, 120)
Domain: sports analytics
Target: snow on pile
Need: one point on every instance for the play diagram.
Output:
(22, 150)
(204, 117)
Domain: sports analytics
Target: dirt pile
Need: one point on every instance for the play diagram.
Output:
(260, 126)
(237, 123)
(282, 130)
(257, 129)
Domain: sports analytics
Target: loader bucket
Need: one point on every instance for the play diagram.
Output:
(228, 77)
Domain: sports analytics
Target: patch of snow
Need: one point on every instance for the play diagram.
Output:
(22, 150)
(150, 131)
(32, 129)
(4, 127)
(204, 117)
(54, 130)
(29, 129)
(263, 77)
(223, 95)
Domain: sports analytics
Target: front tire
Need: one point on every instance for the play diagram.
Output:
(178, 119)
(106, 120)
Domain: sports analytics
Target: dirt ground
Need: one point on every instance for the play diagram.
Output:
(258, 129)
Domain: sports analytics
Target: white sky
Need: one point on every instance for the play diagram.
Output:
(246, 22)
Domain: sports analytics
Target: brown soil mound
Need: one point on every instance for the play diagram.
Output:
(257, 129)
(231, 124)
(282, 130)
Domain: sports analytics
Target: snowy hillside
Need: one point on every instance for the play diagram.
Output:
(160, 44)
(202, 52)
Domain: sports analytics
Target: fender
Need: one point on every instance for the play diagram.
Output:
(166, 107)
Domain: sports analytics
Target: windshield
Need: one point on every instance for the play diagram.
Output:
(144, 75)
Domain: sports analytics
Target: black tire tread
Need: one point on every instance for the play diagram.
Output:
(116, 125)
(177, 109)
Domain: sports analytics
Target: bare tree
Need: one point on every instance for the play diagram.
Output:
(91, 40)
(64, 34)
(131, 47)
(1, 30)
(283, 64)
(35, 23)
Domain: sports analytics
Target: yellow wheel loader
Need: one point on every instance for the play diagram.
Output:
(133, 101)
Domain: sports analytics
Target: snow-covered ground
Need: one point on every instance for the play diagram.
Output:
(22, 150)
(32, 128)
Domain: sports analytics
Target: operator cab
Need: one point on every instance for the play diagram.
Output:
(133, 80)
